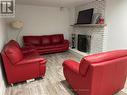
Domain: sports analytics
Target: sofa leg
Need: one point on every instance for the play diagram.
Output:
(12, 84)
(30, 80)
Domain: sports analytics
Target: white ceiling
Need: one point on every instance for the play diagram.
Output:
(57, 3)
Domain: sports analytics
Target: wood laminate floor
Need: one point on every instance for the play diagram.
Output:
(54, 82)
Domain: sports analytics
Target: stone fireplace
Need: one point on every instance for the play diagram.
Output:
(90, 39)
(97, 32)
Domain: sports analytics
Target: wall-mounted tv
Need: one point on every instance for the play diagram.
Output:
(85, 16)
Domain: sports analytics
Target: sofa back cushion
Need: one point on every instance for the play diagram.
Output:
(13, 53)
(46, 40)
(34, 40)
(56, 39)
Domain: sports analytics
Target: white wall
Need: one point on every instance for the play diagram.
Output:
(42, 20)
(116, 19)
(2, 41)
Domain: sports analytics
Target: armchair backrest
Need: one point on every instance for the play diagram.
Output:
(15, 43)
(107, 71)
(13, 52)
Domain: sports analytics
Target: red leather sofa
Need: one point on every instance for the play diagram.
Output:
(22, 64)
(98, 74)
(47, 44)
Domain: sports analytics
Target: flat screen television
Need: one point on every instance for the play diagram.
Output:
(85, 16)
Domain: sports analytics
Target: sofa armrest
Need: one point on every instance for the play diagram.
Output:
(72, 65)
(34, 59)
(66, 41)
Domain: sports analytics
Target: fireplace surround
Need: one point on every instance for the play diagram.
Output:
(96, 37)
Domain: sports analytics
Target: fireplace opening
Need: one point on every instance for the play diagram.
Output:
(84, 42)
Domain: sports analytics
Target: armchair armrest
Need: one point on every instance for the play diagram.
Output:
(28, 49)
(72, 65)
(28, 45)
(29, 60)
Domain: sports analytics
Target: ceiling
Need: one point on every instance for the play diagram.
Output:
(57, 3)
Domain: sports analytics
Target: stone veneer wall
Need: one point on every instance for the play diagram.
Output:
(99, 7)
(98, 34)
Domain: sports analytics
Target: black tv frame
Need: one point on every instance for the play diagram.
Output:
(85, 16)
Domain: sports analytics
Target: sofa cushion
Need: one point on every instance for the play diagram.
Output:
(50, 46)
(13, 53)
(45, 40)
(35, 40)
(56, 39)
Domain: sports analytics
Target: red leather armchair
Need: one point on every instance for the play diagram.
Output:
(22, 64)
(98, 74)
(47, 43)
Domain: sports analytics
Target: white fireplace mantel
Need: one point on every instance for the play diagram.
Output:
(89, 25)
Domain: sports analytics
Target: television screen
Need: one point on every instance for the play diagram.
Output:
(85, 16)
